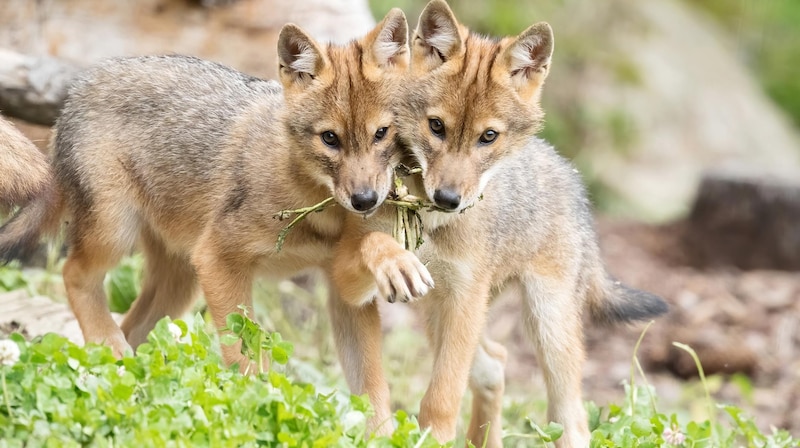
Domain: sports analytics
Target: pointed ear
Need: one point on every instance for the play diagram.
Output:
(528, 58)
(437, 38)
(300, 59)
(387, 45)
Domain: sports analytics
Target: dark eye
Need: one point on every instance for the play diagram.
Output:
(488, 136)
(330, 139)
(380, 134)
(437, 127)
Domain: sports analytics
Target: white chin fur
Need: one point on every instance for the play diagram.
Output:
(434, 219)
(485, 178)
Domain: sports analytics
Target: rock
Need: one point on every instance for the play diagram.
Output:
(35, 316)
(744, 221)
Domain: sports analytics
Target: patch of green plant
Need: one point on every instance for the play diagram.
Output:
(35, 281)
(175, 392)
(638, 423)
(11, 278)
(122, 284)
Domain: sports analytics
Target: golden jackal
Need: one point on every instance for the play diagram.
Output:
(469, 118)
(189, 160)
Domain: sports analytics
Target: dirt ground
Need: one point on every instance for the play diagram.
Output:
(738, 321)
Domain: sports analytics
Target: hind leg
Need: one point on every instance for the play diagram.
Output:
(487, 382)
(168, 290)
(553, 315)
(93, 251)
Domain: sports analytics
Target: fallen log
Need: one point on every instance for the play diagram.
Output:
(33, 88)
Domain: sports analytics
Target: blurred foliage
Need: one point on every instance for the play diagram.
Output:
(767, 33)
(123, 283)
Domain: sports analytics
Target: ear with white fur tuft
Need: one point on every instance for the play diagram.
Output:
(437, 38)
(529, 58)
(300, 60)
(390, 44)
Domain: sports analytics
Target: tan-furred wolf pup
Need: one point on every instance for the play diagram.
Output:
(469, 118)
(190, 160)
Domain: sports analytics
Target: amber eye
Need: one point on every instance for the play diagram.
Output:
(330, 139)
(437, 127)
(488, 136)
(381, 133)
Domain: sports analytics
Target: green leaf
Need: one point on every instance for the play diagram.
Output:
(279, 355)
(549, 433)
(228, 339)
(553, 431)
(594, 415)
(235, 323)
(11, 278)
(641, 427)
(122, 284)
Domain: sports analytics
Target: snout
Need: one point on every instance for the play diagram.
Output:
(364, 200)
(446, 199)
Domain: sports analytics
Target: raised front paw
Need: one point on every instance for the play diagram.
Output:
(402, 277)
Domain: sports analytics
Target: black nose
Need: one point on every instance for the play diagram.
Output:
(364, 200)
(447, 199)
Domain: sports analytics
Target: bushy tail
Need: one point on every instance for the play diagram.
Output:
(27, 181)
(24, 170)
(611, 302)
(20, 236)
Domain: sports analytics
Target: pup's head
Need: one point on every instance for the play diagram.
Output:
(341, 103)
(469, 101)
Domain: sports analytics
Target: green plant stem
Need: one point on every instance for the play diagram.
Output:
(422, 438)
(711, 409)
(635, 363)
(408, 239)
(301, 214)
(5, 394)
(418, 205)
(486, 434)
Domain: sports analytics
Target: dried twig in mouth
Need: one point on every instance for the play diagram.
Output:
(408, 223)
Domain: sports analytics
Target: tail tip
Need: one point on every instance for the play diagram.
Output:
(631, 305)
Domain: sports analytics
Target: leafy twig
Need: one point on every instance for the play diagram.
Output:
(301, 214)
(408, 223)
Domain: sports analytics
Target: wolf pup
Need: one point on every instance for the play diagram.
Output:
(189, 161)
(469, 118)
